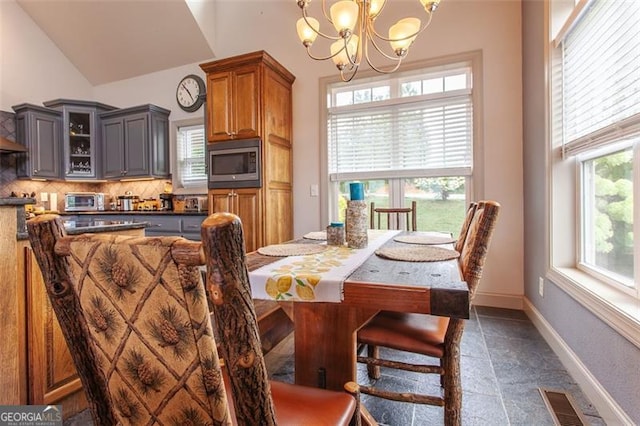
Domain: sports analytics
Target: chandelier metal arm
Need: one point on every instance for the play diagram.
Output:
(416, 34)
(396, 59)
(321, 34)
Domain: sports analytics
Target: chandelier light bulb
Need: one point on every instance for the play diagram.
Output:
(375, 6)
(305, 32)
(402, 34)
(341, 59)
(344, 15)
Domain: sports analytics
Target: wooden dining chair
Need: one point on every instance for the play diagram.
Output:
(430, 335)
(464, 229)
(393, 216)
(134, 313)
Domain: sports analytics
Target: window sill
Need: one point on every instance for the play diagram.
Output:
(617, 309)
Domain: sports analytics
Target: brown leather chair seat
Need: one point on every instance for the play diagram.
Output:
(302, 405)
(417, 333)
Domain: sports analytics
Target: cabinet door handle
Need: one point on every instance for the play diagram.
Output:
(35, 171)
(192, 227)
(230, 194)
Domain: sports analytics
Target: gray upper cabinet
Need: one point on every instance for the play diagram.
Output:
(81, 137)
(39, 129)
(135, 142)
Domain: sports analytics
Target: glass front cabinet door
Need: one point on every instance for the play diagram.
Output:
(81, 137)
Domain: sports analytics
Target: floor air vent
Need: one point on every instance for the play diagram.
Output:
(562, 407)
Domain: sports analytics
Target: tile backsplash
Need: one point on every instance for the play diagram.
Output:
(9, 181)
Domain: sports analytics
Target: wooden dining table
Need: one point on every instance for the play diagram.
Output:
(325, 332)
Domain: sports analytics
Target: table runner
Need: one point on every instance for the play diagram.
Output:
(314, 277)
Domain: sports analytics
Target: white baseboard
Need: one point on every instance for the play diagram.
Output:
(607, 407)
(495, 300)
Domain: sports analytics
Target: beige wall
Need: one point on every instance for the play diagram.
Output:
(494, 27)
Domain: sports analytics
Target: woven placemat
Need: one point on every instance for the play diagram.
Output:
(316, 235)
(417, 253)
(291, 249)
(424, 239)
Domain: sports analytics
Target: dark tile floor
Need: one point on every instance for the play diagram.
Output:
(504, 363)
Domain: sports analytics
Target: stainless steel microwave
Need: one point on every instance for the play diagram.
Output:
(83, 201)
(234, 164)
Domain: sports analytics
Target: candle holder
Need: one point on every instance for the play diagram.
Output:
(357, 224)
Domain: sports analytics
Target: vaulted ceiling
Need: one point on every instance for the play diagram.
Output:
(111, 40)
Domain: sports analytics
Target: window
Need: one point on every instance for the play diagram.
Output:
(407, 136)
(596, 119)
(190, 169)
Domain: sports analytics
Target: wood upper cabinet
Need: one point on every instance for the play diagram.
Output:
(250, 96)
(245, 203)
(234, 98)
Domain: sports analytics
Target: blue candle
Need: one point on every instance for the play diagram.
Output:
(356, 190)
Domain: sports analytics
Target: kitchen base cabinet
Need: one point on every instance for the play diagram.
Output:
(245, 203)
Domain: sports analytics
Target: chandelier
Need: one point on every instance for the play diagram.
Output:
(354, 22)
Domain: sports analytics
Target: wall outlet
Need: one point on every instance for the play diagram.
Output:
(314, 190)
(541, 286)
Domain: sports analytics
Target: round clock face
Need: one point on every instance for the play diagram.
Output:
(190, 93)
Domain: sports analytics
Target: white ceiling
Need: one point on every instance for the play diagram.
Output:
(111, 40)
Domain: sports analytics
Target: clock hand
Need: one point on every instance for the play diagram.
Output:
(187, 89)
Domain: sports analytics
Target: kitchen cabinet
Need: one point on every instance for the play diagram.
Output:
(245, 203)
(250, 96)
(81, 138)
(173, 225)
(39, 129)
(233, 96)
(135, 142)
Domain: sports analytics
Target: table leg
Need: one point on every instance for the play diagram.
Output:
(325, 344)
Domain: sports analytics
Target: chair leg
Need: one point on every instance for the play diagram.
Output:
(452, 381)
(373, 370)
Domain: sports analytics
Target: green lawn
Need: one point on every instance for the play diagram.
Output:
(433, 215)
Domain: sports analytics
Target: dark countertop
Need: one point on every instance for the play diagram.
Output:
(16, 201)
(74, 227)
(135, 213)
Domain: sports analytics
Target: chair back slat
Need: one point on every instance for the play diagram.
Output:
(465, 226)
(376, 214)
(476, 245)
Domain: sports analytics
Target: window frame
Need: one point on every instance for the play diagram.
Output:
(615, 307)
(175, 172)
(475, 178)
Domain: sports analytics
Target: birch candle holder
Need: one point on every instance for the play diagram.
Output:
(357, 224)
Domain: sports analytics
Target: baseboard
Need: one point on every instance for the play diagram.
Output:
(495, 300)
(607, 407)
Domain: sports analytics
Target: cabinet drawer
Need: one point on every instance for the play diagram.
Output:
(160, 225)
(191, 224)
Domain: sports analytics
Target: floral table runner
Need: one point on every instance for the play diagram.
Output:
(315, 277)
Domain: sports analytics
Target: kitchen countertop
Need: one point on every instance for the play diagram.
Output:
(74, 227)
(134, 212)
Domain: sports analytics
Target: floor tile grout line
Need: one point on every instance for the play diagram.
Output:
(493, 370)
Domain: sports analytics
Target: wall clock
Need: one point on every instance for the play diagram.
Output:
(191, 93)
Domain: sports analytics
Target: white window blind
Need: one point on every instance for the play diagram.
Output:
(405, 134)
(601, 76)
(191, 150)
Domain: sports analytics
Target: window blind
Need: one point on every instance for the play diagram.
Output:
(401, 136)
(601, 76)
(191, 151)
